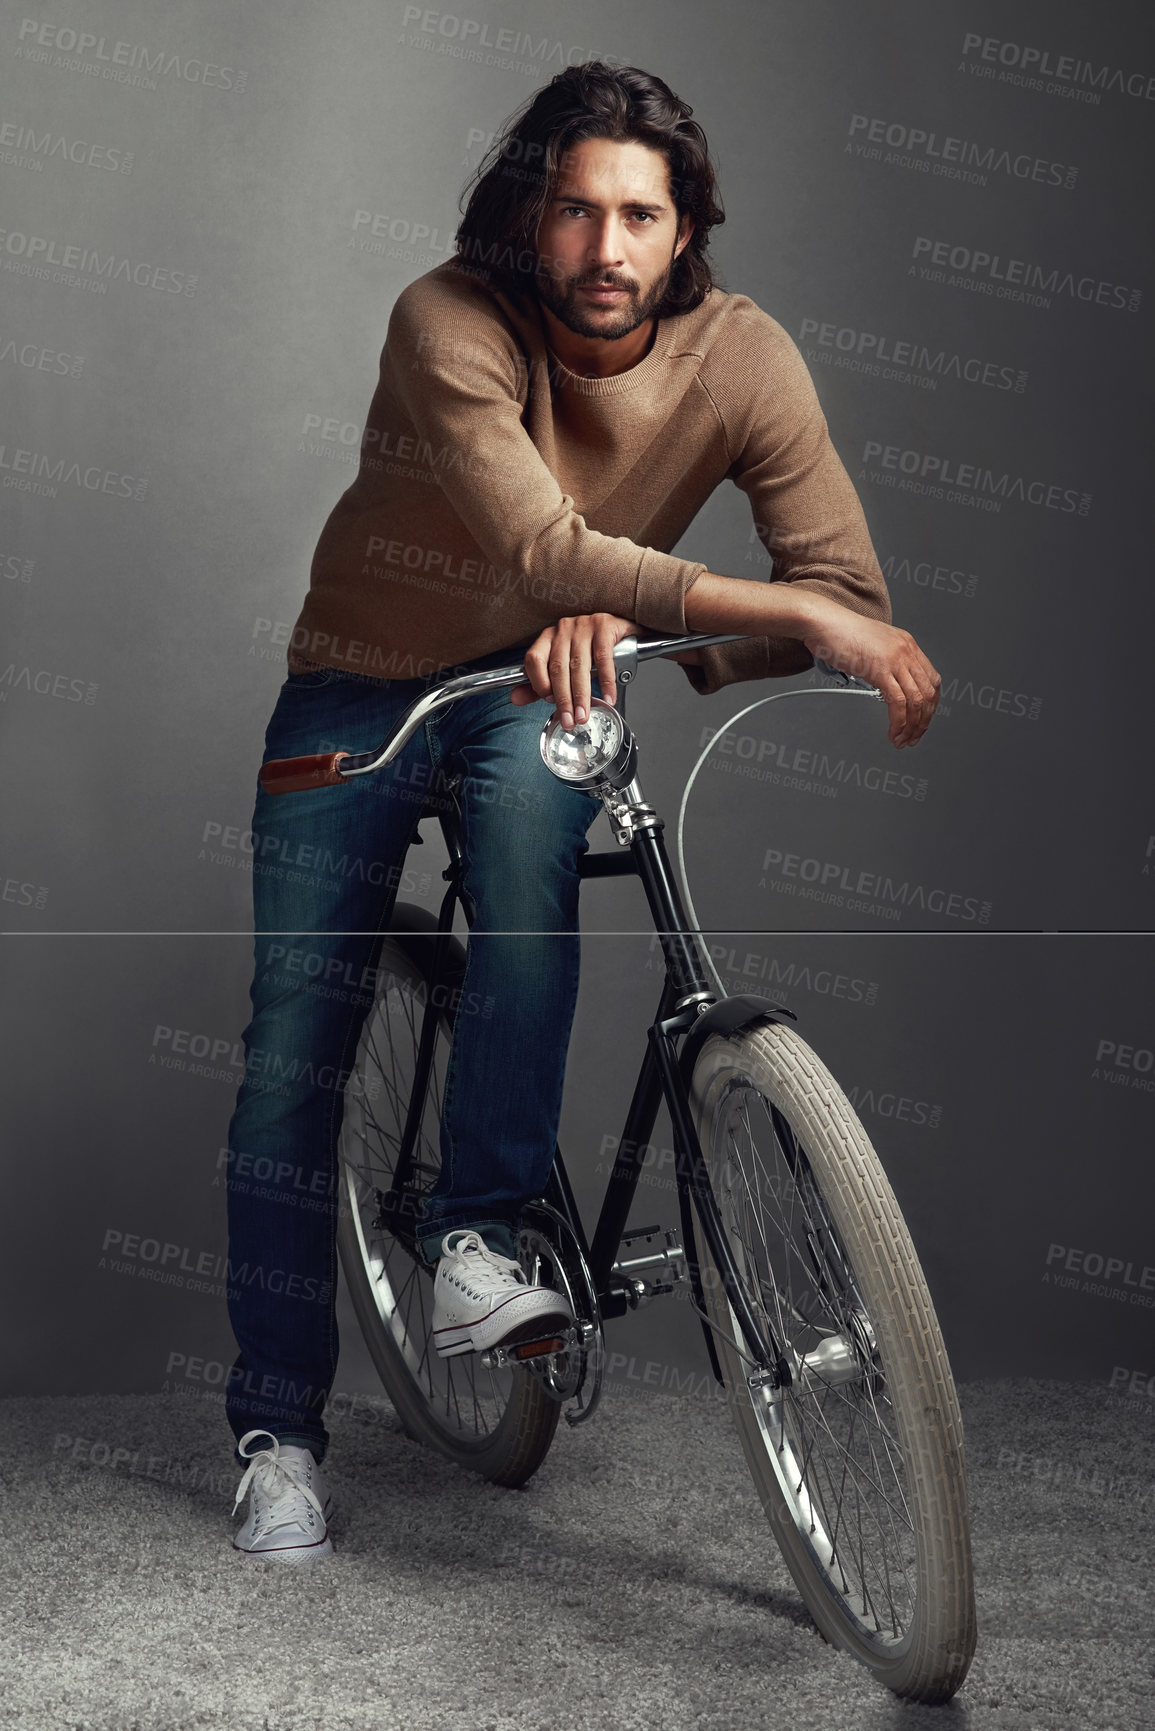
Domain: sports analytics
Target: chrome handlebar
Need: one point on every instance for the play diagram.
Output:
(327, 769)
(627, 654)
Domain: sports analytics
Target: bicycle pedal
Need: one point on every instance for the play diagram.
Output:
(513, 1353)
(537, 1348)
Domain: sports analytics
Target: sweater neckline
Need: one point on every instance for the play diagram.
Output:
(615, 384)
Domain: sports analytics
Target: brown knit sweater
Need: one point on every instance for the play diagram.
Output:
(497, 491)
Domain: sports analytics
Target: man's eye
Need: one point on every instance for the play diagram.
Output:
(646, 216)
(573, 210)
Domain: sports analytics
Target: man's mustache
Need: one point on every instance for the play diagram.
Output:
(603, 279)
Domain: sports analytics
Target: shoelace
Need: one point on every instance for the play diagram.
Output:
(266, 1471)
(470, 1244)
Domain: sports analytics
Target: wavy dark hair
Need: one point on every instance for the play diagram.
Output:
(511, 188)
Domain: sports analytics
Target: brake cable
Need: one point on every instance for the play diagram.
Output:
(846, 687)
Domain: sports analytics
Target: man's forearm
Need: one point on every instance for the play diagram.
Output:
(714, 603)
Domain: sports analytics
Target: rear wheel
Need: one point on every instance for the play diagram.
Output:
(859, 1460)
(498, 1422)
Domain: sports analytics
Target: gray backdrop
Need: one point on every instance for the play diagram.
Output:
(209, 213)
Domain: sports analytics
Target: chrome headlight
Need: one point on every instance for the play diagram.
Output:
(598, 756)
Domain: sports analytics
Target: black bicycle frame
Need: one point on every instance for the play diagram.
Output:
(662, 1075)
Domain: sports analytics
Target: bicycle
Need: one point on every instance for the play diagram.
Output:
(816, 1315)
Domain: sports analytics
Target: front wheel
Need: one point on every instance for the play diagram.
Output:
(858, 1458)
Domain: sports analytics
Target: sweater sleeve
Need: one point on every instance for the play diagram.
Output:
(456, 378)
(806, 512)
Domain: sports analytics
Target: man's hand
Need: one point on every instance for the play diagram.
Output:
(559, 662)
(886, 656)
(883, 654)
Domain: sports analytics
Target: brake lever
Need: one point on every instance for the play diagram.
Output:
(847, 679)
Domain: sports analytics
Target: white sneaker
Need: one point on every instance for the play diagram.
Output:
(482, 1299)
(289, 1506)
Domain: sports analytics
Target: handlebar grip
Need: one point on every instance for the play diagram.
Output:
(299, 774)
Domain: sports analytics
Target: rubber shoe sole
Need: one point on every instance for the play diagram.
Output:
(523, 1316)
(315, 1553)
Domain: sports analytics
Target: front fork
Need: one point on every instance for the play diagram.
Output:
(764, 1356)
(689, 994)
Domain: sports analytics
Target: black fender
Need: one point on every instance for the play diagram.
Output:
(728, 1016)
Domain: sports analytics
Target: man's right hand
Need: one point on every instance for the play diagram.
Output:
(561, 659)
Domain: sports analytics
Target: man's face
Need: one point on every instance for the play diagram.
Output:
(609, 238)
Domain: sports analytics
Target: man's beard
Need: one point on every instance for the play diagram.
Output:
(562, 301)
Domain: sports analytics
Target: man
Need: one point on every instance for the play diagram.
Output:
(554, 406)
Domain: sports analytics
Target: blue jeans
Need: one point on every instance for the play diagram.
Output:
(324, 866)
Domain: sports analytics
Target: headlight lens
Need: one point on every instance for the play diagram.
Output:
(593, 755)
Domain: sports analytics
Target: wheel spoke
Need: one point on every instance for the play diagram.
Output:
(467, 1406)
(831, 1439)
